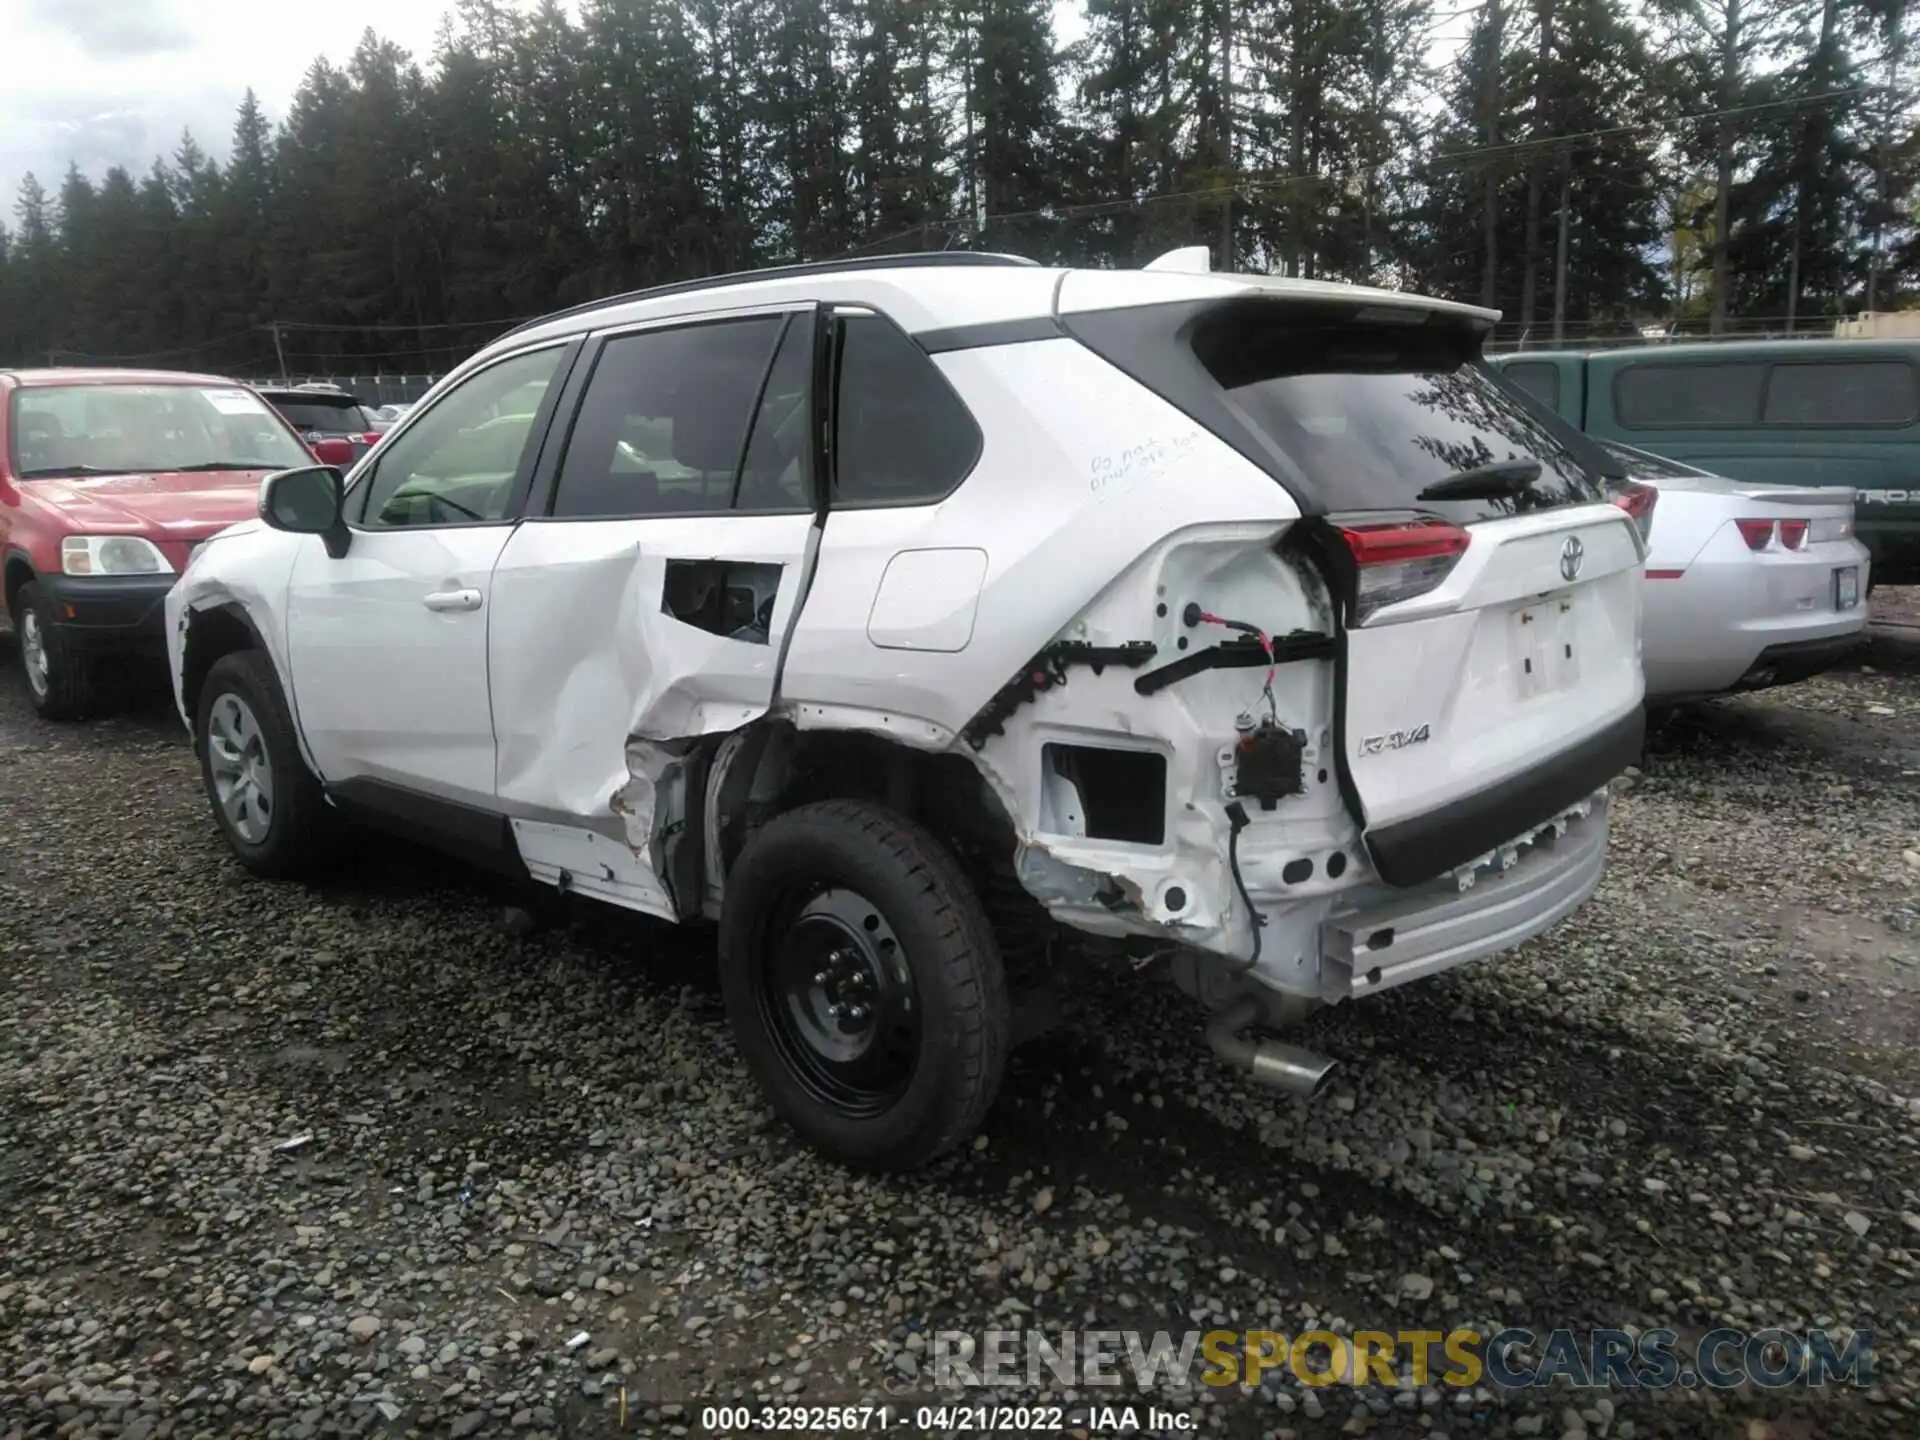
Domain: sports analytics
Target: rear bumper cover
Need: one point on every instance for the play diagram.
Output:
(1418, 849)
(110, 612)
(1705, 631)
(1547, 877)
(1796, 660)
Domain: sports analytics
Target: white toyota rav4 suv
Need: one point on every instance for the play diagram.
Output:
(893, 613)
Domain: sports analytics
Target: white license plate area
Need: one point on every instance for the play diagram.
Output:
(1545, 649)
(1846, 587)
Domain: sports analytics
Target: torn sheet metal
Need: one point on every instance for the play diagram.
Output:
(1182, 888)
(592, 738)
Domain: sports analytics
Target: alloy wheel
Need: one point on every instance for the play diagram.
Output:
(242, 772)
(33, 651)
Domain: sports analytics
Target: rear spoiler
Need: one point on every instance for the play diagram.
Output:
(1799, 495)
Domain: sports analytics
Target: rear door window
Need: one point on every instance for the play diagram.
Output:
(1843, 393)
(663, 427)
(1685, 397)
(1538, 380)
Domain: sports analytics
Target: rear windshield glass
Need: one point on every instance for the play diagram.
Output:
(1374, 414)
(334, 417)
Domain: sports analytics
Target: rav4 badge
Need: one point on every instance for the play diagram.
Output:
(1397, 740)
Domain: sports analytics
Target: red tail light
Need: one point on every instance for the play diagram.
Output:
(1793, 534)
(371, 437)
(1398, 560)
(1757, 533)
(1638, 501)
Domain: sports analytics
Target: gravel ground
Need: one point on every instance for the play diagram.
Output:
(1684, 1108)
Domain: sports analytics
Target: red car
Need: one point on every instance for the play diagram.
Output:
(108, 480)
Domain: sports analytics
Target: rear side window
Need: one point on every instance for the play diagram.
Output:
(1374, 414)
(1540, 381)
(1682, 397)
(663, 427)
(1843, 393)
(901, 435)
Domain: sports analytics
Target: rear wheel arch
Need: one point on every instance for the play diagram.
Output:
(780, 769)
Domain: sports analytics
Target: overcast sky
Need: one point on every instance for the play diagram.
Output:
(114, 82)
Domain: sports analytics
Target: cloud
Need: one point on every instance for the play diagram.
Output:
(95, 131)
(113, 82)
(113, 29)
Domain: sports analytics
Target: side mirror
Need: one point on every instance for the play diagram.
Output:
(306, 502)
(338, 453)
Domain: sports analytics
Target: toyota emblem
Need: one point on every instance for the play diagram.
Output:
(1571, 554)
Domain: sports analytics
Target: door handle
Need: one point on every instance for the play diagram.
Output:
(453, 600)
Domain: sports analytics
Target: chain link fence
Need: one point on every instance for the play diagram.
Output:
(367, 389)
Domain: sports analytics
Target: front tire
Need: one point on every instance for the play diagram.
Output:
(63, 682)
(269, 806)
(864, 984)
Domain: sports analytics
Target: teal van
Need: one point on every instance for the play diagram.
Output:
(1786, 412)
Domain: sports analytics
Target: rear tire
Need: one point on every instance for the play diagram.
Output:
(269, 806)
(864, 984)
(63, 681)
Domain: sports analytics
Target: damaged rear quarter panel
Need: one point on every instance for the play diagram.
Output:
(1082, 472)
(1094, 500)
(1182, 888)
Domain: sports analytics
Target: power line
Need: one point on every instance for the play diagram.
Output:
(375, 329)
(375, 355)
(178, 350)
(1665, 120)
(1080, 211)
(1250, 186)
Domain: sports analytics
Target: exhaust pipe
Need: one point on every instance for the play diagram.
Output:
(1270, 1062)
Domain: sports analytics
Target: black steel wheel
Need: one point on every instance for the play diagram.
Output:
(839, 1001)
(863, 983)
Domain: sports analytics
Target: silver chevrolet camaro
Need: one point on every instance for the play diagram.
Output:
(1746, 585)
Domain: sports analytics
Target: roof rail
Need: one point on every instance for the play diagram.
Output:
(911, 261)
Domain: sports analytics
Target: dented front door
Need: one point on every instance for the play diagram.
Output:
(650, 605)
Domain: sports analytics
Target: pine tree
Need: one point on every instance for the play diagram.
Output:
(1754, 159)
(244, 226)
(649, 190)
(1133, 117)
(803, 109)
(34, 262)
(1014, 123)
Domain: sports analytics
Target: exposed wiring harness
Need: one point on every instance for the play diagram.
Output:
(1237, 821)
(1194, 615)
(1236, 812)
